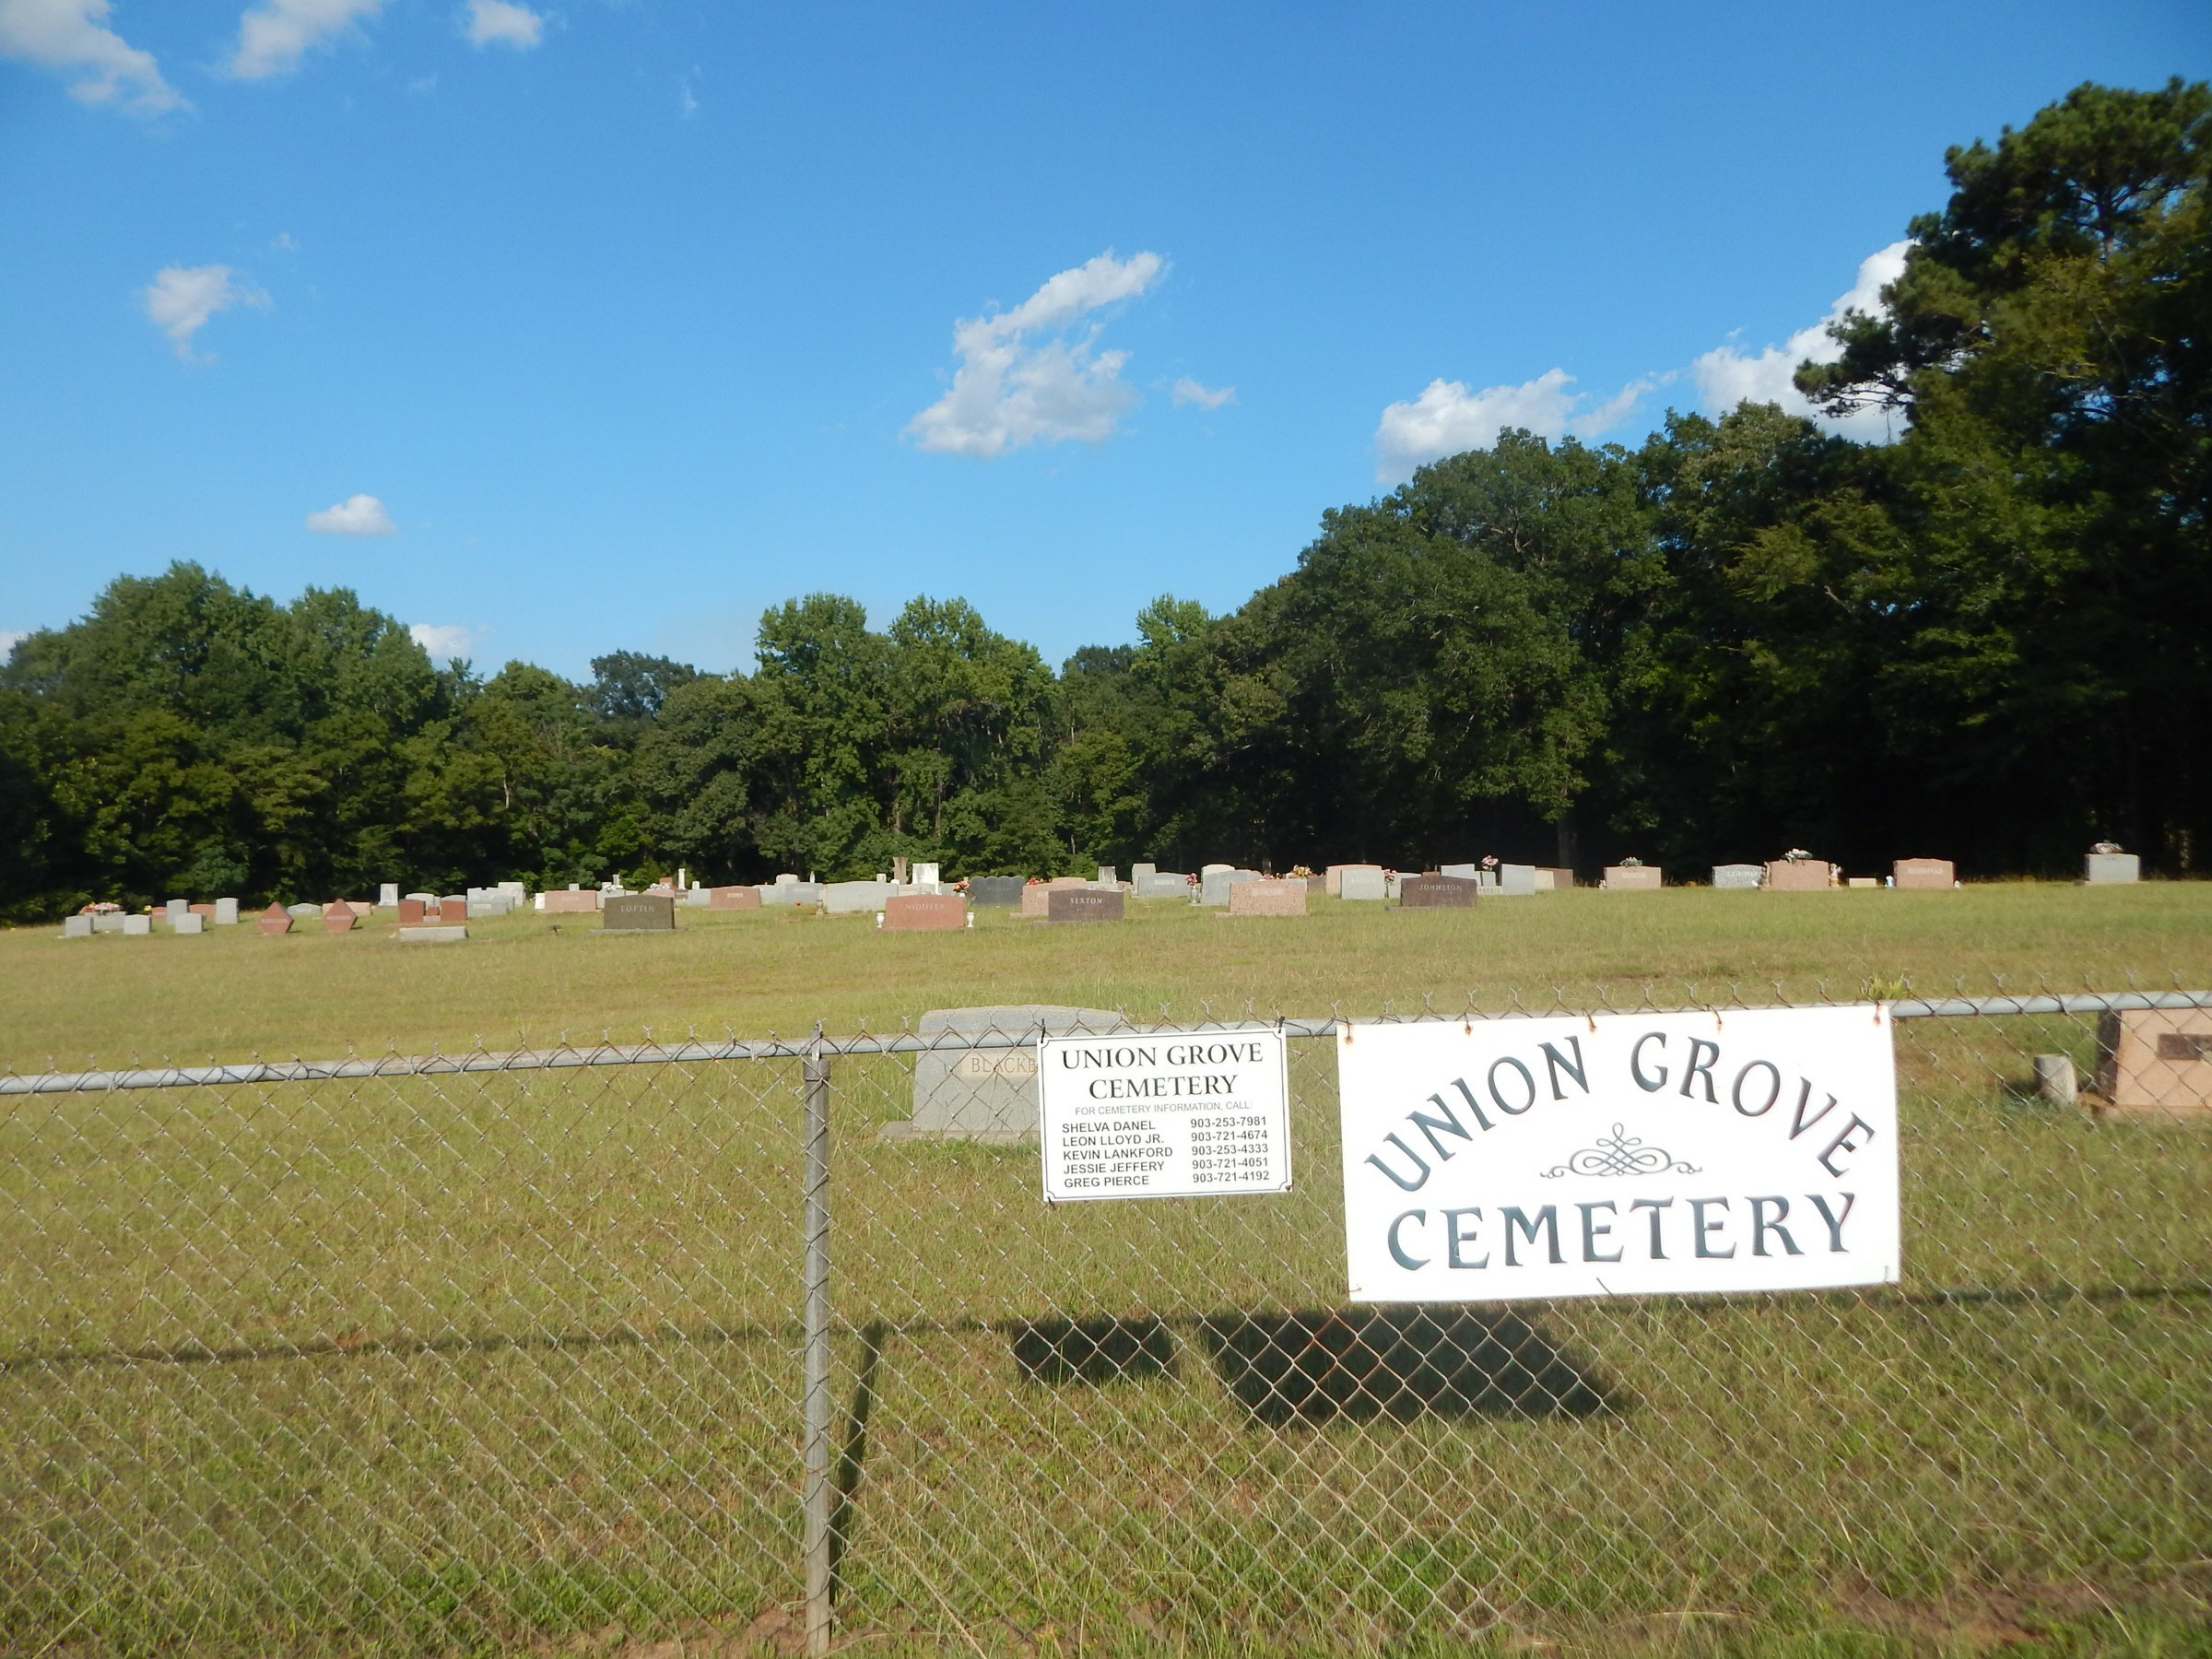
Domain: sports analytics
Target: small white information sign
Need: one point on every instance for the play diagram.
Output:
(1177, 1116)
(1625, 1154)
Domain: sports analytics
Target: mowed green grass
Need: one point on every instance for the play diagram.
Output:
(510, 1362)
(529, 980)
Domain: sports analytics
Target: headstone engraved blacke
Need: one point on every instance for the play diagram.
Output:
(963, 1093)
(637, 913)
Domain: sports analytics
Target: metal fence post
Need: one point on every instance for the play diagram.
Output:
(816, 1227)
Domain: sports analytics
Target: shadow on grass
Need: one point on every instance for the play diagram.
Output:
(1400, 1363)
(1099, 1349)
(853, 1453)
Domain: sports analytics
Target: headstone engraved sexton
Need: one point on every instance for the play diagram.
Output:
(986, 1094)
(1090, 904)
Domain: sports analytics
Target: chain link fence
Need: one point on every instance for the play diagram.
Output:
(588, 1351)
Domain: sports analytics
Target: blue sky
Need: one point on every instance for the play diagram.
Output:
(581, 325)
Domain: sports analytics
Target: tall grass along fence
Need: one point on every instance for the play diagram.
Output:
(583, 1349)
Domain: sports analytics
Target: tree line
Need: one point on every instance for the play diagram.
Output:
(1990, 640)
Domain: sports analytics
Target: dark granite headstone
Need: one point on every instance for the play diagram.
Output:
(1437, 892)
(637, 913)
(1083, 904)
(997, 891)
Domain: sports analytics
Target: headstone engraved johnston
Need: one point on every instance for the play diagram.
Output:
(989, 1095)
(637, 913)
(1437, 892)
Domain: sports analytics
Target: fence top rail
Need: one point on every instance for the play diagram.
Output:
(695, 1052)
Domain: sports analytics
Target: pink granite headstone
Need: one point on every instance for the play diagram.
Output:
(1924, 873)
(733, 897)
(924, 913)
(1268, 899)
(1800, 876)
(339, 917)
(274, 921)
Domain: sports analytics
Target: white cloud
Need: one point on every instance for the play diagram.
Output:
(275, 34)
(10, 640)
(1727, 376)
(73, 36)
(1027, 376)
(503, 23)
(356, 515)
(1448, 418)
(182, 297)
(1188, 391)
(446, 640)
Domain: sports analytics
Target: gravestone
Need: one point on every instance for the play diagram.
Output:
(1800, 876)
(486, 903)
(2106, 870)
(1267, 898)
(995, 892)
(226, 913)
(453, 907)
(1633, 878)
(1516, 881)
(854, 898)
(1738, 878)
(1553, 878)
(338, 918)
(1162, 884)
(925, 876)
(136, 926)
(924, 913)
(304, 912)
(1083, 904)
(515, 892)
(1458, 872)
(1360, 883)
(1036, 896)
(275, 920)
(1861, 881)
(1109, 877)
(434, 935)
(175, 911)
(790, 889)
(731, 898)
(76, 927)
(410, 912)
(571, 902)
(189, 924)
(1437, 892)
(1924, 873)
(1138, 872)
(700, 898)
(1214, 885)
(986, 1095)
(2156, 1060)
(637, 913)
(107, 921)
(387, 895)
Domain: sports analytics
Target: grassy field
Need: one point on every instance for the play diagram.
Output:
(528, 979)
(511, 1362)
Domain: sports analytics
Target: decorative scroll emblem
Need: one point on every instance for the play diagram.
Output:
(1619, 1153)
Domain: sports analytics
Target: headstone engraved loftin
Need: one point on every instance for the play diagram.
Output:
(2156, 1060)
(1084, 905)
(637, 913)
(1437, 892)
(924, 913)
(986, 1094)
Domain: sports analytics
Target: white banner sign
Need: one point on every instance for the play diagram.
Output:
(1619, 1154)
(1177, 1116)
